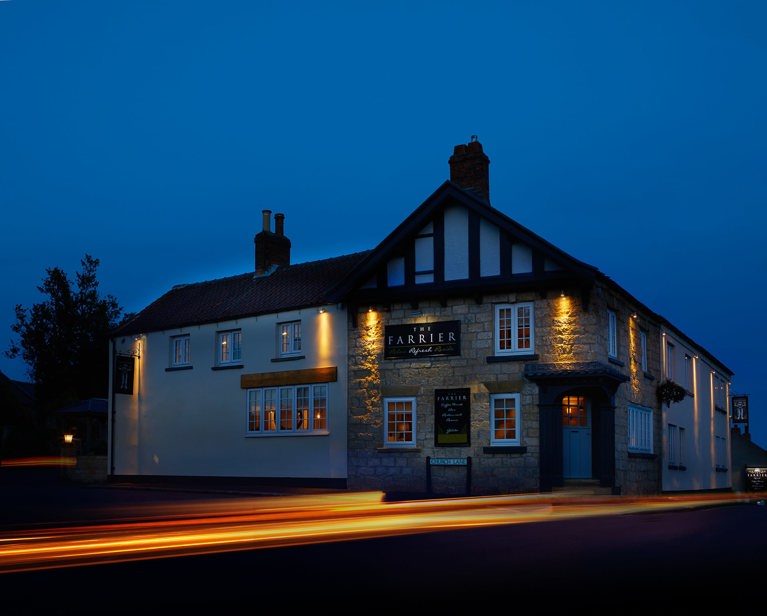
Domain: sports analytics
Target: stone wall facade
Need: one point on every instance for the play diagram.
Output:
(566, 331)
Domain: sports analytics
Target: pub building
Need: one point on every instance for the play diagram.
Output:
(477, 343)
(463, 355)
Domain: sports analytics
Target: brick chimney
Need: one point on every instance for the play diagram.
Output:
(272, 248)
(469, 168)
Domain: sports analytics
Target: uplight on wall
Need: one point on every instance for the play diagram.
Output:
(69, 437)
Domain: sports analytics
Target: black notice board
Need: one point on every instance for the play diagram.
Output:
(756, 478)
(452, 417)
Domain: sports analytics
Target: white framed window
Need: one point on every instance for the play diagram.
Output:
(514, 329)
(675, 445)
(640, 429)
(229, 349)
(505, 419)
(612, 334)
(643, 349)
(180, 351)
(670, 359)
(289, 335)
(293, 409)
(399, 422)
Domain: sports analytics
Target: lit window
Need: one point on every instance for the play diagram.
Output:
(288, 410)
(640, 429)
(514, 329)
(505, 419)
(229, 347)
(289, 337)
(399, 422)
(179, 351)
(575, 411)
(612, 334)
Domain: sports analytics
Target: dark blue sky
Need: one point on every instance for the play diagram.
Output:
(151, 135)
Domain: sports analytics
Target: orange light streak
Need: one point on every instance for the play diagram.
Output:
(283, 521)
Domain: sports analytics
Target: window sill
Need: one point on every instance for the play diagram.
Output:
(178, 368)
(228, 367)
(677, 467)
(491, 359)
(505, 449)
(616, 361)
(288, 358)
(649, 376)
(642, 455)
(273, 433)
(719, 409)
(398, 449)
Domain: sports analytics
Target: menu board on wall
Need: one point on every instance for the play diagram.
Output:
(452, 417)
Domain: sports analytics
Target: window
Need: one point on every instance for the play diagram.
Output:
(514, 329)
(676, 446)
(229, 347)
(289, 338)
(424, 255)
(643, 349)
(399, 422)
(612, 334)
(179, 351)
(640, 429)
(575, 411)
(504, 419)
(293, 409)
(670, 358)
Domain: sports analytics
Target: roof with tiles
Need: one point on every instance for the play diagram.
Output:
(288, 287)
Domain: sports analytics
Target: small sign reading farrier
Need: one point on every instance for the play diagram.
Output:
(452, 417)
(756, 479)
(422, 340)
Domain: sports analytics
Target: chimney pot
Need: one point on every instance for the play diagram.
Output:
(266, 217)
(279, 220)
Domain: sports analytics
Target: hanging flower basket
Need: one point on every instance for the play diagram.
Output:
(669, 392)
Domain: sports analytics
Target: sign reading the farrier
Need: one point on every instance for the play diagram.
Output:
(740, 409)
(452, 417)
(422, 340)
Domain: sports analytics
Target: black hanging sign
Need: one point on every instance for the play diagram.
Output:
(740, 409)
(452, 417)
(125, 367)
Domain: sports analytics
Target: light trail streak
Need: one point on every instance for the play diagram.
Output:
(225, 526)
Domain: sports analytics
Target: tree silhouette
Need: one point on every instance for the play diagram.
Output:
(64, 340)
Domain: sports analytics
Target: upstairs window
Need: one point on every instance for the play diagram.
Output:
(612, 334)
(289, 338)
(670, 359)
(180, 351)
(514, 332)
(229, 351)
